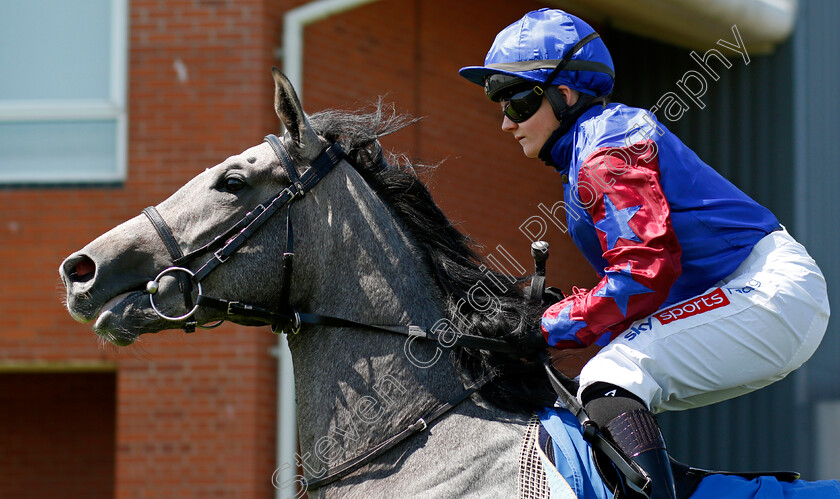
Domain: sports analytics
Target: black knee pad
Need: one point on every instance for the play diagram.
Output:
(603, 402)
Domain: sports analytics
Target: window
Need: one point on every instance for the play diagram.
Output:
(63, 91)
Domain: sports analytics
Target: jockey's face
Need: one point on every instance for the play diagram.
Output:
(533, 133)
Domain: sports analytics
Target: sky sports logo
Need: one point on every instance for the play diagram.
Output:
(699, 305)
(709, 301)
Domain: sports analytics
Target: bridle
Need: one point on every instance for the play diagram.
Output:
(227, 243)
(285, 318)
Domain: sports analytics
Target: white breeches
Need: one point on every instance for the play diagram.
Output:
(750, 330)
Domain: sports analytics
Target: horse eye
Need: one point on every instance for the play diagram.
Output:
(234, 184)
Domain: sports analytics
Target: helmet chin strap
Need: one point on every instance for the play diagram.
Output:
(567, 116)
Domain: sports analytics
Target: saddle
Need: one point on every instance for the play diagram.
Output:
(687, 478)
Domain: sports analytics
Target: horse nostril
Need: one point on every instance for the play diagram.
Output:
(79, 268)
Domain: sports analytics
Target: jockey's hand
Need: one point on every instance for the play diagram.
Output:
(570, 361)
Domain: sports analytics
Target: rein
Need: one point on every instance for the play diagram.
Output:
(340, 471)
(286, 318)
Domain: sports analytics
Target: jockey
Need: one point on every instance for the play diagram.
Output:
(703, 295)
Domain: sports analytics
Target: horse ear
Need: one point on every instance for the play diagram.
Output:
(288, 109)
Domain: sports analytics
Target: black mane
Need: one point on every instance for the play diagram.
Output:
(521, 382)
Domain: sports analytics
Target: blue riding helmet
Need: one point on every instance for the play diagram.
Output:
(533, 46)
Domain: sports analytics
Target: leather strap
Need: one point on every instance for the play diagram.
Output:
(461, 340)
(163, 231)
(184, 282)
(539, 252)
(340, 471)
(233, 244)
(287, 163)
(320, 167)
(288, 260)
(272, 316)
(222, 238)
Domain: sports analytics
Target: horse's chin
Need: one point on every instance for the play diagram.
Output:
(125, 317)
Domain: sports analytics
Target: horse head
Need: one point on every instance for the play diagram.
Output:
(108, 281)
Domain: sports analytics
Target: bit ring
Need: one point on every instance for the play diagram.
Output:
(156, 283)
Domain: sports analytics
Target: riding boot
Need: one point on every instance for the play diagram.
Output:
(625, 420)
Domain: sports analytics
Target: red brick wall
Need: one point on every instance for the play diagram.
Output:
(195, 414)
(410, 51)
(57, 437)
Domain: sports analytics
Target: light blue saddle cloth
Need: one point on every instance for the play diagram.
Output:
(577, 478)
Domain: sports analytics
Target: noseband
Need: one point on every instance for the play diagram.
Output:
(286, 318)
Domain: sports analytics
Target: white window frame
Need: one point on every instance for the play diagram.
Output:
(60, 110)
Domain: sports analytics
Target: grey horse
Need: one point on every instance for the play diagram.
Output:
(370, 247)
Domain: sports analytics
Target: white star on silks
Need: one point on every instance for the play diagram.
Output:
(620, 287)
(616, 223)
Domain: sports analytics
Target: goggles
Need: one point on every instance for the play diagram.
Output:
(520, 98)
(522, 105)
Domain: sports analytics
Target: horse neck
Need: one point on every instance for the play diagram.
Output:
(356, 387)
